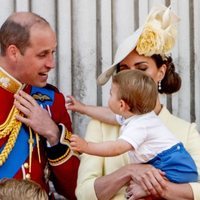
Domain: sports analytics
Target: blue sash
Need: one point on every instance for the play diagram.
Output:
(20, 151)
(17, 156)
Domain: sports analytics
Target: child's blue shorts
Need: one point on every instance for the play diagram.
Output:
(177, 163)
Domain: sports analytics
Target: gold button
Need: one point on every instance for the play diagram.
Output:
(26, 165)
(28, 176)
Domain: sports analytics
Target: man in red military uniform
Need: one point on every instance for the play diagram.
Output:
(34, 125)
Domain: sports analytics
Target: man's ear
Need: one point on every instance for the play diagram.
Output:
(12, 52)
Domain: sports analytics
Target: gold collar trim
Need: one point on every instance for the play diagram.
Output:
(8, 82)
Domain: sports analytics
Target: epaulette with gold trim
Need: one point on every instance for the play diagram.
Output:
(11, 126)
(8, 82)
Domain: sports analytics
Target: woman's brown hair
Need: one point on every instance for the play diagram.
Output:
(172, 81)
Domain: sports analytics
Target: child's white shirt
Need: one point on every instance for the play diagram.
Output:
(147, 134)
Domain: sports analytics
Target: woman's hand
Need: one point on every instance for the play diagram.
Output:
(149, 178)
(135, 191)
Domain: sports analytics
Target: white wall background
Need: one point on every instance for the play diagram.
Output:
(89, 32)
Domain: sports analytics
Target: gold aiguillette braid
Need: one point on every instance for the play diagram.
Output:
(10, 127)
(6, 127)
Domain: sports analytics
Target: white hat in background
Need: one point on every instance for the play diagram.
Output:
(156, 36)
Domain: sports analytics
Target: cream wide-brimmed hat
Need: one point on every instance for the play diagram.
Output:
(156, 36)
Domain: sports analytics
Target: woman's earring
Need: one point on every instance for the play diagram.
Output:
(159, 85)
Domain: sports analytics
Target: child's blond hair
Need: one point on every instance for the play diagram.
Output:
(13, 189)
(137, 89)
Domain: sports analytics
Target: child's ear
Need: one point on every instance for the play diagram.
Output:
(124, 106)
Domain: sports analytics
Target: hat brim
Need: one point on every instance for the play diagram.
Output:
(161, 19)
(124, 49)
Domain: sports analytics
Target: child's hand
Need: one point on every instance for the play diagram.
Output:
(72, 104)
(78, 144)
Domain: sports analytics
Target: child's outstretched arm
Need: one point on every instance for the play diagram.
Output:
(104, 149)
(103, 114)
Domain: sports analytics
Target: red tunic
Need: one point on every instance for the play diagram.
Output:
(63, 167)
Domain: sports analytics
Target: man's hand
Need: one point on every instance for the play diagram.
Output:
(36, 117)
